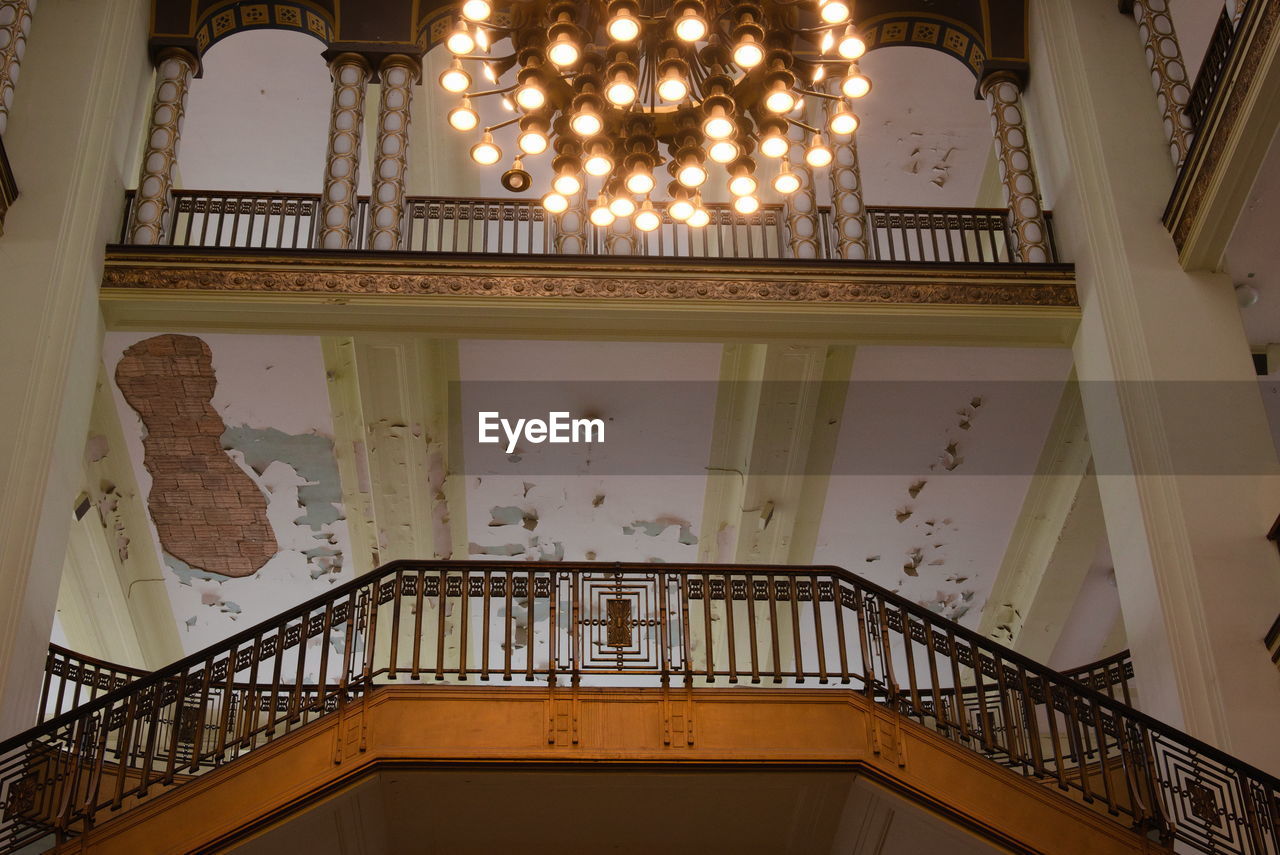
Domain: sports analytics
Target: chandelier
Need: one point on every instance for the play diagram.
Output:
(618, 91)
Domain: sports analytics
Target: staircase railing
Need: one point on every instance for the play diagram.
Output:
(636, 625)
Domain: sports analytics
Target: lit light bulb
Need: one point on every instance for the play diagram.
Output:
(623, 27)
(779, 99)
(462, 117)
(842, 122)
(699, 218)
(555, 203)
(673, 87)
(692, 174)
(690, 27)
(489, 73)
(786, 181)
(567, 183)
(530, 96)
(477, 10)
(724, 151)
(532, 142)
(742, 185)
(775, 144)
(454, 78)
(460, 41)
(482, 39)
(817, 155)
(647, 219)
(834, 11)
(748, 53)
(587, 122)
(640, 181)
(623, 206)
(601, 215)
(827, 41)
(746, 204)
(718, 126)
(851, 45)
(680, 210)
(563, 52)
(598, 164)
(485, 152)
(855, 84)
(621, 92)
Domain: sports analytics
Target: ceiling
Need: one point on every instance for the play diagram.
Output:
(604, 809)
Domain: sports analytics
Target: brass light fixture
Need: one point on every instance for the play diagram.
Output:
(614, 90)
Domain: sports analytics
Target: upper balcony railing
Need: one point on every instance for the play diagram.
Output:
(663, 626)
(1212, 69)
(432, 224)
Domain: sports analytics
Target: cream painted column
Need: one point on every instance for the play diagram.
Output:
(847, 209)
(1003, 92)
(391, 154)
(15, 25)
(174, 69)
(802, 205)
(350, 73)
(570, 227)
(90, 60)
(1168, 74)
(1187, 472)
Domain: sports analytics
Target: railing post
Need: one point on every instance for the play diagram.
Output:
(1003, 91)
(350, 73)
(15, 24)
(1168, 74)
(175, 68)
(391, 154)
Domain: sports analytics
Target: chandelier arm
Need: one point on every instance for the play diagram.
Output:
(816, 94)
(511, 57)
(492, 92)
(510, 121)
(799, 124)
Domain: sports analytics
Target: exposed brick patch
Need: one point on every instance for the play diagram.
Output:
(207, 511)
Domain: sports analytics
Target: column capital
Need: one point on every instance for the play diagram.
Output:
(160, 54)
(991, 77)
(340, 58)
(402, 60)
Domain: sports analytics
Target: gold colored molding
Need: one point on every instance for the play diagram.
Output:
(1208, 162)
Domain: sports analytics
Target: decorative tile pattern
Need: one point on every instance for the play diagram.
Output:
(391, 156)
(570, 228)
(1017, 172)
(1168, 74)
(173, 81)
(342, 162)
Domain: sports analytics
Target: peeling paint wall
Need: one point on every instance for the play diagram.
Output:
(268, 395)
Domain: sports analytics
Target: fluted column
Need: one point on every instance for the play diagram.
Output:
(15, 24)
(1168, 74)
(174, 70)
(569, 228)
(847, 208)
(391, 158)
(342, 162)
(802, 205)
(1017, 171)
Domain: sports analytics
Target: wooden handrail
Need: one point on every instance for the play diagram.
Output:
(581, 624)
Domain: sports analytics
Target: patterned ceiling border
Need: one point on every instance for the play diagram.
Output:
(1256, 32)
(218, 24)
(936, 33)
(1053, 287)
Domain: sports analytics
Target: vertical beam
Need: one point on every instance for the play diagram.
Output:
(92, 65)
(342, 160)
(802, 205)
(1187, 491)
(15, 26)
(397, 456)
(847, 208)
(391, 151)
(1168, 74)
(174, 69)
(1003, 92)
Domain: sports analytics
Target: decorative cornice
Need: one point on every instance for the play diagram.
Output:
(1206, 162)
(599, 279)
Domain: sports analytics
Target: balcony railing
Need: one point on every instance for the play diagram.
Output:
(570, 625)
(1212, 68)
(8, 186)
(290, 221)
